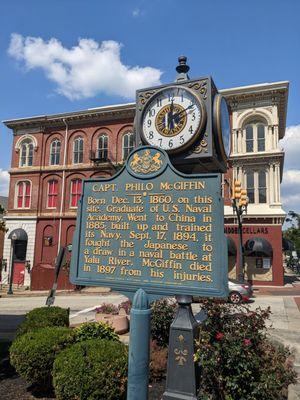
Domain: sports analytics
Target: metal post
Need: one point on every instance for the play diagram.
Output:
(58, 265)
(183, 373)
(11, 272)
(241, 246)
(139, 347)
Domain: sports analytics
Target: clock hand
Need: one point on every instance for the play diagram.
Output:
(170, 114)
(180, 112)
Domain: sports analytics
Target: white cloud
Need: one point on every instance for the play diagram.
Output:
(291, 145)
(4, 182)
(290, 187)
(84, 70)
(136, 12)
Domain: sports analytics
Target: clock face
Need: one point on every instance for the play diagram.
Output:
(173, 119)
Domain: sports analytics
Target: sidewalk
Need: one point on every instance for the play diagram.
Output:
(19, 292)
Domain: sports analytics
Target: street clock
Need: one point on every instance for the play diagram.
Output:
(189, 119)
(173, 119)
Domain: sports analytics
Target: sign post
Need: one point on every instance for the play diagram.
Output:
(138, 363)
(153, 228)
(183, 373)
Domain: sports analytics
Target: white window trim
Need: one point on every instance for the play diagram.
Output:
(23, 201)
(127, 134)
(51, 146)
(102, 148)
(255, 136)
(70, 200)
(256, 184)
(26, 154)
(73, 158)
(48, 187)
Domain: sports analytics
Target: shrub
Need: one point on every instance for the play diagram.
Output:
(158, 362)
(94, 330)
(236, 358)
(33, 353)
(162, 316)
(44, 317)
(107, 309)
(91, 370)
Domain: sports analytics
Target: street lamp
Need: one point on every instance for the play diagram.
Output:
(239, 203)
(13, 238)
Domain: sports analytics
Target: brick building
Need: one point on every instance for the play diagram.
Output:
(52, 154)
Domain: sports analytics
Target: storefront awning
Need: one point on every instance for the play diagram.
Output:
(287, 245)
(18, 234)
(231, 247)
(258, 247)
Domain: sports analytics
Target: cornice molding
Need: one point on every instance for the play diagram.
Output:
(266, 94)
(105, 113)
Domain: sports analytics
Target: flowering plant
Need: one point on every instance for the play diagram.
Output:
(107, 308)
(126, 306)
(237, 360)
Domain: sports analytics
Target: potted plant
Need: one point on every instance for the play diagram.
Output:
(109, 313)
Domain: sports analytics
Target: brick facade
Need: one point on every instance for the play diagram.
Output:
(49, 228)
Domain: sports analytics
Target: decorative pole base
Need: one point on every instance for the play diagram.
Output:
(139, 347)
(182, 374)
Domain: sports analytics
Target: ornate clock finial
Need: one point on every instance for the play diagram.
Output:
(182, 69)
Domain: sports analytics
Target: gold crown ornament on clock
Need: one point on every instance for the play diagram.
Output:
(188, 119)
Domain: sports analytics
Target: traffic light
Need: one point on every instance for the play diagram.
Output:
(243, 198)
(236, 190)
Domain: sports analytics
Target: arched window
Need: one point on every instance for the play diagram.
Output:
(102, 150)
(260, 137)
(78, 150)
(255, 137)
(55, 152)
(23, 194)
(26, 153)
(249, 138)
(52, 193)
(127, 145)
(76, 190)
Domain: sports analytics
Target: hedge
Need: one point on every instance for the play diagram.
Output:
(33, 353)
(91, 370)
(43, 317)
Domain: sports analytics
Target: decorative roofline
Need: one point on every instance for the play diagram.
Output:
(233, 95)
(105, 112)
(277, 92)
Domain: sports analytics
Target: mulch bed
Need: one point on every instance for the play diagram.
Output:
(12, 387)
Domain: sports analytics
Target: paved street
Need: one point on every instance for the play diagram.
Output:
(285, 311)
(284, 322)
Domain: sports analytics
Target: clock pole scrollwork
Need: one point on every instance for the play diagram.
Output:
(201, 87)
(143, 97)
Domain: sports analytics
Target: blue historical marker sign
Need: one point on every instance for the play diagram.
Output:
(152, 227)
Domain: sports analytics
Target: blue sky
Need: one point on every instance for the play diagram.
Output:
(237, 42)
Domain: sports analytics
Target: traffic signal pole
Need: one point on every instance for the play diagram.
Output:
(240, 265)
(239, 207)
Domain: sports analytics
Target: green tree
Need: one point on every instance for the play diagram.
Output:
(2, 223)
(293, 233)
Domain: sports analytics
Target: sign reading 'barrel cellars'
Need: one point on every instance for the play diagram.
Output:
(150, 226)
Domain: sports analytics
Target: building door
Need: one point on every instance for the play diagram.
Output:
(19, 273)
